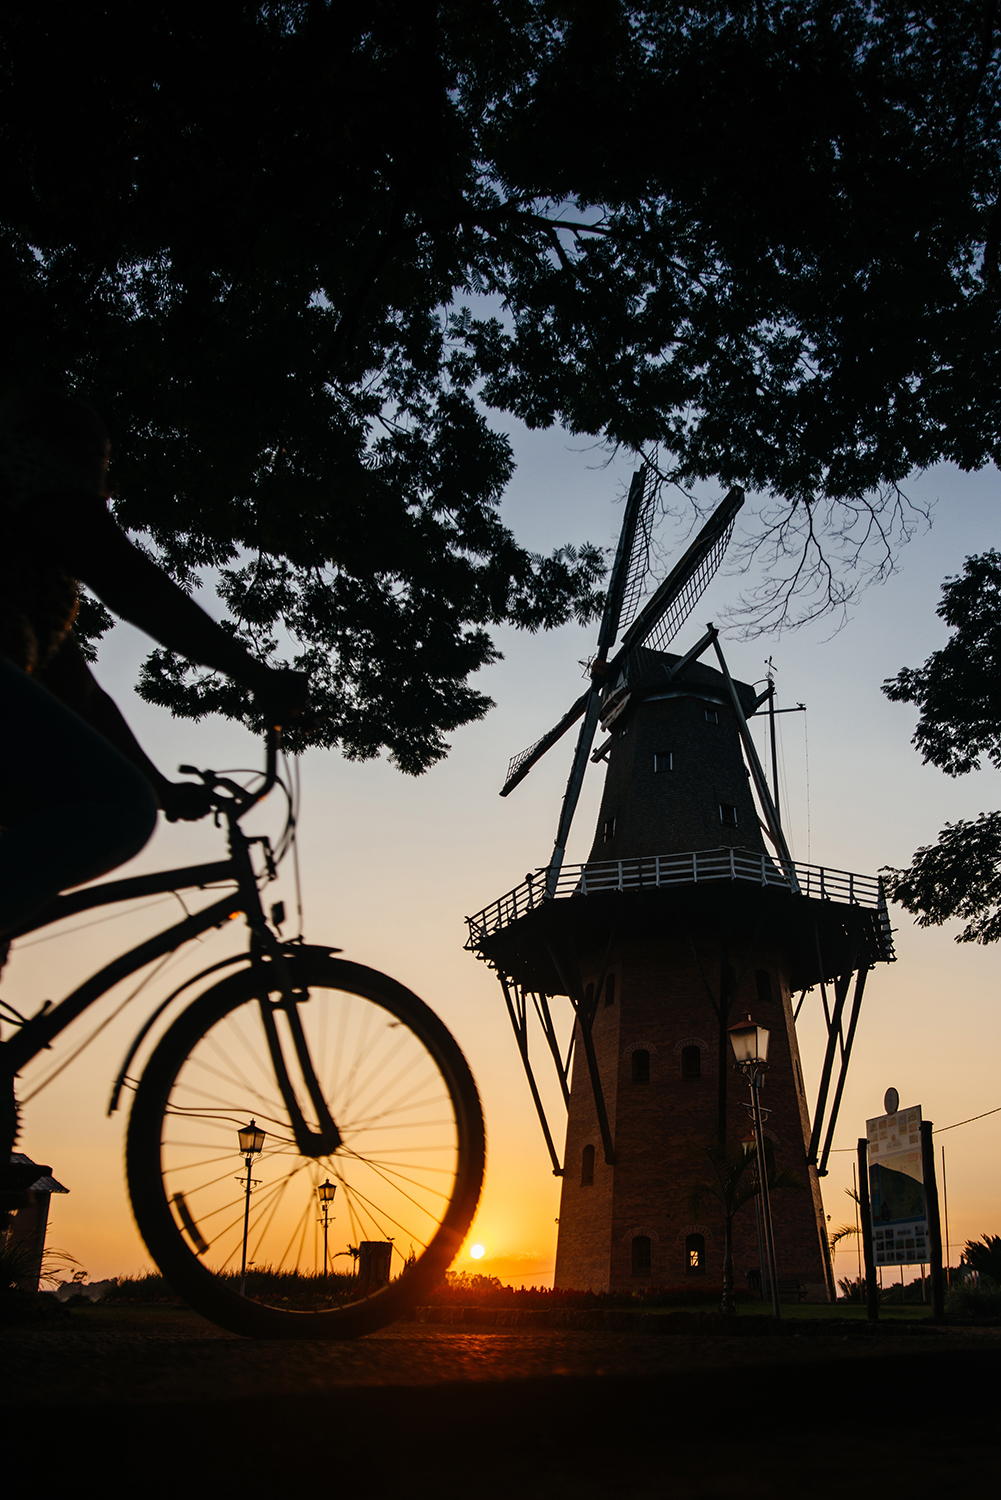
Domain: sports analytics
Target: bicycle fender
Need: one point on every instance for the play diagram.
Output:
(318, 950)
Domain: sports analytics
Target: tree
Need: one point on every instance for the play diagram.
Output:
(984, 1256)
(731, 1184)
(958, 691)
(299, 253)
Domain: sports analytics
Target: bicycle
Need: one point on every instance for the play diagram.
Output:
(348, 1075)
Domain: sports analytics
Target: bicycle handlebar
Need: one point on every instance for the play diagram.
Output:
(243, 799)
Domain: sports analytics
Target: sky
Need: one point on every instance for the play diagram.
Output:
(392, 865)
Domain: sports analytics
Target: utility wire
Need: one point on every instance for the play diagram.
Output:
(939, 1129)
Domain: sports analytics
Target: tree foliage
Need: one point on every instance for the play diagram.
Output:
(984, 1255)
(299, 253)
(958, 693)
(732, 1182)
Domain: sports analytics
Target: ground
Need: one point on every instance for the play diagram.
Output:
(421, 1410)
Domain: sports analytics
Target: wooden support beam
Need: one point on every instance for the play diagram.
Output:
(846, 1052)
(521, 1036)
(583, 1021)
(841, 984)
(545, 1016)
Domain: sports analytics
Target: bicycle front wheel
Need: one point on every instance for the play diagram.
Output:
(258, 1243)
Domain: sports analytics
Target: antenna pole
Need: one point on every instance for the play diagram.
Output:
(756, 769)
(771, 725)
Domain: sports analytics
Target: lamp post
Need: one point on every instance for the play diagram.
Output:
(748, 1144)
(325, 1192)
(251, 1138)
(750, 1049)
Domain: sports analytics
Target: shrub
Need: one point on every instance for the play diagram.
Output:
(969, 1299)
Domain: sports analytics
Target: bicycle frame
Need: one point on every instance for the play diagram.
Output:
(266, 952)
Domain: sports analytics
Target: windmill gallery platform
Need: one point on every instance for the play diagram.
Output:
(679, 923)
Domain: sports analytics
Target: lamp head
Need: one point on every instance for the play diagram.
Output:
(252, 1139)
(326, 1190)
(749, 1042)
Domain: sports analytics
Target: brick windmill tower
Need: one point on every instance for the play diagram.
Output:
(688, 914)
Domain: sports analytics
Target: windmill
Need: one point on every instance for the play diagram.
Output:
(680, 920)
(653, 628)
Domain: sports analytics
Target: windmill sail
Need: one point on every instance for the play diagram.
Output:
(642, 492)
(520, 764)
(662, 617)
(639, 559)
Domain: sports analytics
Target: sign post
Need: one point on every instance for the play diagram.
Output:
(865, 1213)
(934, 1226)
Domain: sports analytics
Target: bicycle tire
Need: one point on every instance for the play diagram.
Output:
(385, 1062)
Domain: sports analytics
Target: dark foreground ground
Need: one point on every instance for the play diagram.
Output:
(161, 1403)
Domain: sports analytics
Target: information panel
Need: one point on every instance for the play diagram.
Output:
(896, 1189)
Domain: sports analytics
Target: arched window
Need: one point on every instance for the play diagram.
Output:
(641, 1257)
(640, 1068)
(691, 1062)
(587, 1167)
(695, 1254)
(610, 990)
(764, 980)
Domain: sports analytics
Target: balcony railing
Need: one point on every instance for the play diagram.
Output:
(654, 872)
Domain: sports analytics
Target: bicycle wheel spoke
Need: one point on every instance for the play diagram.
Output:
(405, 1164)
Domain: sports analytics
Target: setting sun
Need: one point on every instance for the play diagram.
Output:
(477, 1252)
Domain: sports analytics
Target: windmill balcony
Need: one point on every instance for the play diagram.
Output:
(651, 873)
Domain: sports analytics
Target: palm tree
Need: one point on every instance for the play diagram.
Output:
(732, 1183)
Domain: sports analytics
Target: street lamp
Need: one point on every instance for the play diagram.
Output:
(325, 1192)
(251, 1138)
(750, 1050)
(749, 1143)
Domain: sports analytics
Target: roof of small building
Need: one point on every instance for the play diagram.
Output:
(45, 1182)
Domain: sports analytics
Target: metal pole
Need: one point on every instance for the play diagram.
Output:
(858, 1227)
(865, 1207)
(246, 1231)
(934, 1226)
(326, 1225)
(766, 1208)
(761, 1237)
(771, 725)
(945, 1197)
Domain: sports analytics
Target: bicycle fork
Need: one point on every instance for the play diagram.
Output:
(327, 1138)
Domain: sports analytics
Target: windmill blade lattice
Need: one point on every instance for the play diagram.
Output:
(520, 764)
(663, 616)
(639, 560)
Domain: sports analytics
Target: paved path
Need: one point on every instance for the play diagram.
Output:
(420, 1410)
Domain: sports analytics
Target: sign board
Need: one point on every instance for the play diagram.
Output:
(896, 1189)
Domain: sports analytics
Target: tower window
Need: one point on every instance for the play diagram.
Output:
(608, 829)
(691, 1062)
(728, 815)
(764, 982)
(712, 716)
(610, 990)
(695, 1254)
(663, 760)
(587, 1167)
(641, 1257)
(640, 1066)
